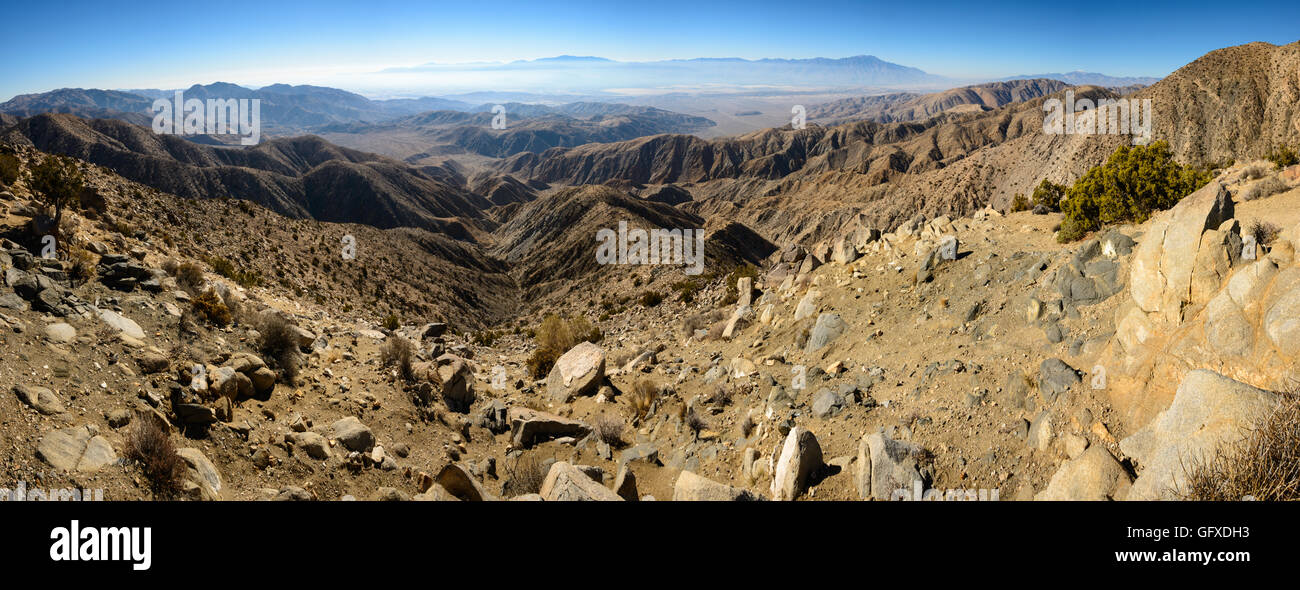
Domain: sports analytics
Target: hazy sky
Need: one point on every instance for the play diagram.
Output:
(110, 44)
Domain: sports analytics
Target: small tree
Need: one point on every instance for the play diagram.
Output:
(58, 183)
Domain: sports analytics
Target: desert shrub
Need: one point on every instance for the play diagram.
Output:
(83, 266)
(57, 182)
(278, 343)
(747, 426)
(524, 475)
(1282, 156)
(8, 169)
(686, 290)
(1048, 194)
(650, 299)
(1253, 172)
(1265, 464)
(397, 352)
(694, 421)
(210, 308)
(148, 445)
(391, 322)
(701, 321)
(541, 361)
(644, 395)
(743, 270)
(484, 337)
(609, 429)
(554, 337)
(1133, 183)
(189, 277)
(226, 268)
(1019, 203)
(1264, 232)
(1265, 188)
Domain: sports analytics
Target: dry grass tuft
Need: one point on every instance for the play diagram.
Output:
(645, 394)
(524, 475)
(609, 429)
(397, 352)
(279, 344)
(1264, 232)
(1265, 465)
(154, 450)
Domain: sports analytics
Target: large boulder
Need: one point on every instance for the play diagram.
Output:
(577, 372)
(528, 427)
(844, 251)
(566, 483)
(800, 459)
(457, 378)
(1208, 410)
(462, 484)
(1094, 475)
(693, 488)
(121, 323)
(886, 465)
(1282, 320)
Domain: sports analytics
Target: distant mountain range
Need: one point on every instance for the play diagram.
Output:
(285, 109)
(579, 74)
(1091, 79)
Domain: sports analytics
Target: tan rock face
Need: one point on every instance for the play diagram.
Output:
(1208, 410)
(1162, 268)
(1095, 475)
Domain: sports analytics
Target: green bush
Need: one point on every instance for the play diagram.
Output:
(58, 183)
(686, 290)
(212, 309)
(651, 299)
(227, 269)
(1133, 183)
(8, 169)
(1283, 156)
(1019, 203)
(1048, 194)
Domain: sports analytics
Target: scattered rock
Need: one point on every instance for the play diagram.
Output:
(354, 435)
(800, 459)
(566, 483)
(578, 372)
(40, 398)
(691, 487)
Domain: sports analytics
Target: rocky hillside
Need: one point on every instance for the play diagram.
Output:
(966, 354)
(910, 106)
(299, 177)
(529, 128)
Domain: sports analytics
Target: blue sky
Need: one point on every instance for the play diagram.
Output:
(110, 44)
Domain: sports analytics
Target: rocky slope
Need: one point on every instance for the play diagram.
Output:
(847, 370)
(890, 108)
